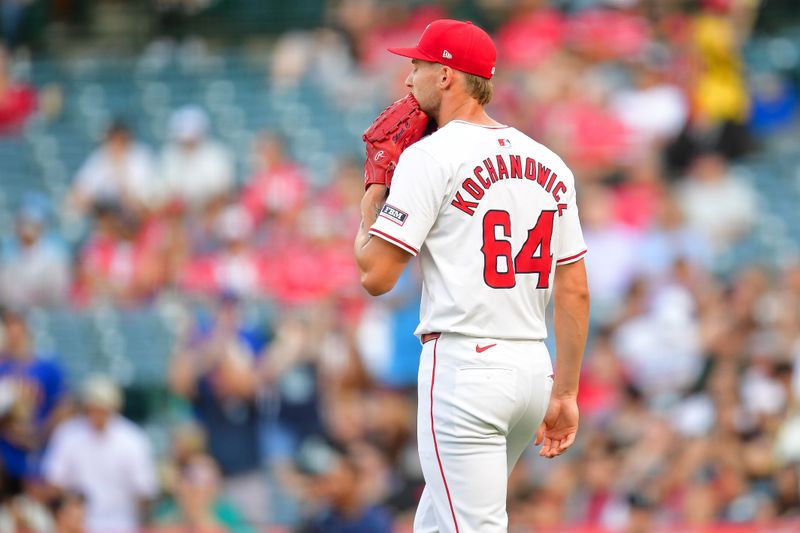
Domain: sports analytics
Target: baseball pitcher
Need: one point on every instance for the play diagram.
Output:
(493, 218)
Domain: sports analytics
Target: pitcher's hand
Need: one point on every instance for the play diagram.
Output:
(559, 427)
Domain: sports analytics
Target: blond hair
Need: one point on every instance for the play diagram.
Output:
(479, 88)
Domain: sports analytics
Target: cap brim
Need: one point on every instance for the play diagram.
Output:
(413, 53)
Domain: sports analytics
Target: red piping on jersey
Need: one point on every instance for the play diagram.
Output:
(395, 240)
(570, 258)
(435, 445)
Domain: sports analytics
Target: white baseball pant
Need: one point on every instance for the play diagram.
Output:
(481, 401)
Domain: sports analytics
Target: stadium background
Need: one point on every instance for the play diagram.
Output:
(201, 261)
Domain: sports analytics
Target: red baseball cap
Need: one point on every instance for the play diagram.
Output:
(457, 44)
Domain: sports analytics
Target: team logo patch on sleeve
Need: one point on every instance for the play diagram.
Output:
(398, 216)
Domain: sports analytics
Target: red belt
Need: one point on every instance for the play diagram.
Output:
(430, 336)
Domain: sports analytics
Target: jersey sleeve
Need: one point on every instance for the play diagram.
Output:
(571, 246)
(414, 201)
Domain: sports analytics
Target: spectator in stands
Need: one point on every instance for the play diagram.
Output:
(670, 240)
(35, 398)
(291, 60)
(69, 512)
(578, 123)
(339, 201)
(609, 32)
(310, 262)
(653, 110)
(638, 197)
(337, 483)
(337, 208)
(119, 262)
(614, 264)
(195, 169)
(17, 100)
(719, 89)
(22, 513)
(34, 266)
(660, 350)
(195, 504)
(294, 372)
(276, 191)
(121, 171)
(214, 369)
(531, 34)
(716, 83)
(235, 267)
(716, 202)
(291, 367)
(602, 381)
(774, 103)
(164, 234)
(106, 457)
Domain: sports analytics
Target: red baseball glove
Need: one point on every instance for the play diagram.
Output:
(398, 127)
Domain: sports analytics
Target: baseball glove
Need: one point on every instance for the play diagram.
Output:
(399, 126)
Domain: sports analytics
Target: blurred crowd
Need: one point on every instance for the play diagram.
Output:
(691, 379)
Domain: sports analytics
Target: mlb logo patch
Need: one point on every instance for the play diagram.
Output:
(398, 216)
(505, 143)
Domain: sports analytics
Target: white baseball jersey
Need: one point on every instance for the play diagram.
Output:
(491, 214)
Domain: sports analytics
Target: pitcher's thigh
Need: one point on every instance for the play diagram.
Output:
(522, 434)
(465, 484)
(462, 447)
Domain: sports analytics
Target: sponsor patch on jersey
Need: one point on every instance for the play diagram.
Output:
(398, 216)
(505, 143)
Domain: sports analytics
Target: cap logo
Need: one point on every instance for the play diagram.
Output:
(493, 70)
(447, 55)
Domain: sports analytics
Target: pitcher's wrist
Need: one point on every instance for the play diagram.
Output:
(564, 393)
